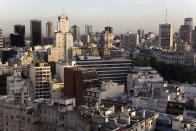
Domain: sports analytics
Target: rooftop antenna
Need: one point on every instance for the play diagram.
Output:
(166, 19)
(187, 14)
(64, 12)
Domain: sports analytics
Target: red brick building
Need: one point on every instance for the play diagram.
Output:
(76, 81)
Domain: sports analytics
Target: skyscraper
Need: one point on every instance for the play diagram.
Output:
(18, 37)
(64, 41)
(166, 36)
(17, 40)
(68, 46)
(89, 32)
(188, 21)
(19, 29)
(49, 29)
(88, 29)
(35, 32)
(63, 24)
(108, 37)
(1, 38)
(185, 33)
(130, 42)
(194, 39)
(141, 35)
(76, 33)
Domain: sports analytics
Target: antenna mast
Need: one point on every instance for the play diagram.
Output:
(166, 19)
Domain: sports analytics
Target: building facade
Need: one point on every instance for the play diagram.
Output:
(109, 69)
(17, 38)
(93, 96)
(1, 38)
(166, 36)
(49, 29)
(64, 42)
(76, 33)
(40, 75)
(36, 32)
(76, 81)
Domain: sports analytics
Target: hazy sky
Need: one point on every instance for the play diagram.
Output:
(123, 15)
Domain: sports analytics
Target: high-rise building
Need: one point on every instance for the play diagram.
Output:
(64, 41)
(68, 47)
(36, 32)
(194, 39)
(109, 29)
(130, 41)
(17, 40)
(141, 34)
(18, 37)
(89, 32)
(185, 33)
(188, 21)
(76, 33)
(166, 36)
(49, 29)
(1, 38)
(63, 24)
(40, 75)
(108, 37)
(88, 29)
(19, 29)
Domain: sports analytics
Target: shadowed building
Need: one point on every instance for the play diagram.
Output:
(35, 32)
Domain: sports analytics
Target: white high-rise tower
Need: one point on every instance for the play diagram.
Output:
(63, 24)
(64, 41)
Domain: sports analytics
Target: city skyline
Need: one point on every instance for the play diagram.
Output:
(124, 16)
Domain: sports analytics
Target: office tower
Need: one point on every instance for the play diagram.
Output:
(166, 36)
(109, 29)
(35, 32)
(76, 33)
(89, 32)
(1, 38)
(189, 22)
(40, 75)
(185, 33)
(108, 37)
(141, 35)
(76, 81)
(107, 70)
(68, 46)
(17, 38)
(64, 41)
(130, 42)
(49, 29)
(63, 24)
(19, 29)
(194, 39)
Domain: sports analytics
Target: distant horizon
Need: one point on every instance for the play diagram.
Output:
(123, 16)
